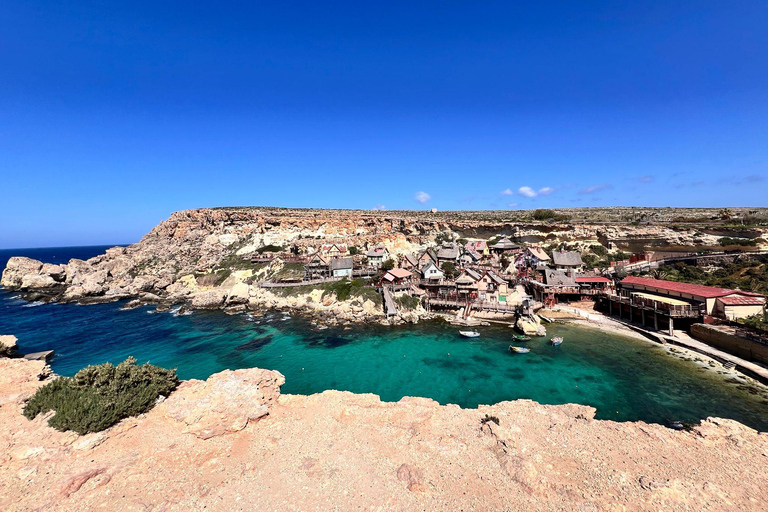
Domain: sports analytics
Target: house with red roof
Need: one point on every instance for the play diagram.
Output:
(720, 302)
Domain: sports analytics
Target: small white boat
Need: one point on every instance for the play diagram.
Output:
(557, 340)
(519, 350)
(469, 334)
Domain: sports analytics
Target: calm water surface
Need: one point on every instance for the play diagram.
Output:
(623, 378)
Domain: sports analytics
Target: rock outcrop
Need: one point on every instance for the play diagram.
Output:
(8, 345)
(209, 446)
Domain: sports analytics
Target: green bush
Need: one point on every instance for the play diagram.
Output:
(99, 396)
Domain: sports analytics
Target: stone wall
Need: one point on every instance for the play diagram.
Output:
(730, 343)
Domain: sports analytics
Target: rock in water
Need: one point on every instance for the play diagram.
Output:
(8, 345)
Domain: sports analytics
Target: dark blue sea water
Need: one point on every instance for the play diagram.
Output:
(623, 378)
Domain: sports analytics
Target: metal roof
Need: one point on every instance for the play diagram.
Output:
(558, 278)
(742, 300)
(708, 292)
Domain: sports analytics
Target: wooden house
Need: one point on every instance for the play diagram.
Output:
(397, 276)
(469, 257)
(431, 272)
(410, 262)
(448, 252)
(492, 288)
(567, 261)
(342, 267)
(317, 267)
(466, 284)
(333, 250)
(377, 255)
(504, 246)
(427, 257)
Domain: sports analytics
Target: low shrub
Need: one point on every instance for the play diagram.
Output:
(99, 396)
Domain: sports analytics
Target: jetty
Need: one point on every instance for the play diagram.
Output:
(389, 304)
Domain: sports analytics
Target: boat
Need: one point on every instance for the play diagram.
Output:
(469, 334)
(556, 340)
(521, 337)
(519, 350)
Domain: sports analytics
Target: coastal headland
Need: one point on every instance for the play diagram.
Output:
(233, 442)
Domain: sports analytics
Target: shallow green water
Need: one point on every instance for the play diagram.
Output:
(624, 379)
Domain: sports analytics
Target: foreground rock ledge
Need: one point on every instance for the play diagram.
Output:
(234, 443)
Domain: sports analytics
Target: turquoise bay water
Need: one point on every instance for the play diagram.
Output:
(624, 379)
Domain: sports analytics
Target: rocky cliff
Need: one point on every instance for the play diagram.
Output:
(234, 442)
(197, 256)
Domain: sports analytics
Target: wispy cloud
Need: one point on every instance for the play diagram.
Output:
(422, 197)
(512, 205)
(529, 192)
(593, 189)
(379, 207)
(645, 179)
(507, 192)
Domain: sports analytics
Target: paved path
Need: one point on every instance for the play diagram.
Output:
(389, 304)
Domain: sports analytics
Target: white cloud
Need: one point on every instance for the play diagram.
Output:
(594, 188)
(529, 192)
(422, 197)
(512, 205)
(645, 179)
(507, 192)
(546, 191)
(379, 207)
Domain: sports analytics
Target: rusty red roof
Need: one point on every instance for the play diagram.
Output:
(742, 300)
(709, 292)
(592, 279)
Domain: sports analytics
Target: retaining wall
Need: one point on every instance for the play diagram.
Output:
(730, 343)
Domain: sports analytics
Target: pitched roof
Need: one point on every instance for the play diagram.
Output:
(742, 300)
(567, 258)
(538, 253)
(592, 279)
(709, 292)
(495, 277)
(558, 278)
(428, 264)
(468, 276)
(342, 263)
(410, 258)
(377, 251)
(474, 255)
(505, 243)
(399, 273)
(319, 257)
(448, 252)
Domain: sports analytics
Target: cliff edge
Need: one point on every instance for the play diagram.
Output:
(233, 442)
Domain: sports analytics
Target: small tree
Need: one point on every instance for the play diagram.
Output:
(388, 265)
(354, 250)
(449, 269)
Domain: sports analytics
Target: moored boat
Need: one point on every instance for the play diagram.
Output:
(519, 350)
(469, 334)
(521, 337)
(557, 340)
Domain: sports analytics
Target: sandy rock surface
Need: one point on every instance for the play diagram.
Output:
(341, 451)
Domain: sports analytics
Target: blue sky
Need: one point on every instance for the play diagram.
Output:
(115, 114)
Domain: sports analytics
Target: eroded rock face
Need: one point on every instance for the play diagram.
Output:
(17, 268)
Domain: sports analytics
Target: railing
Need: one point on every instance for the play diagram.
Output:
(687, 310)
(269, 284)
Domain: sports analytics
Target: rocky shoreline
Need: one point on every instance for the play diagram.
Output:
(234, 442)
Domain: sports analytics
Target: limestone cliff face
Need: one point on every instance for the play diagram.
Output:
(166, 264)
(234, 442)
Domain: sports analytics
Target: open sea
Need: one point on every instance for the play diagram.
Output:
(623, 378)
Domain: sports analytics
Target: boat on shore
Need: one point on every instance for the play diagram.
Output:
(469, 334)
(556, 340)
(519, 350)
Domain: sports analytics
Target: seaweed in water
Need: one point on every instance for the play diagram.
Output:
(254, 344)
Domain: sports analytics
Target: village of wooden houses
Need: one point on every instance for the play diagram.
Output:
(498, 279)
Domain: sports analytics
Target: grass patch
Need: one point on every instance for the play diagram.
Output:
(406, 302)
(215, 278)
(99, 396)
